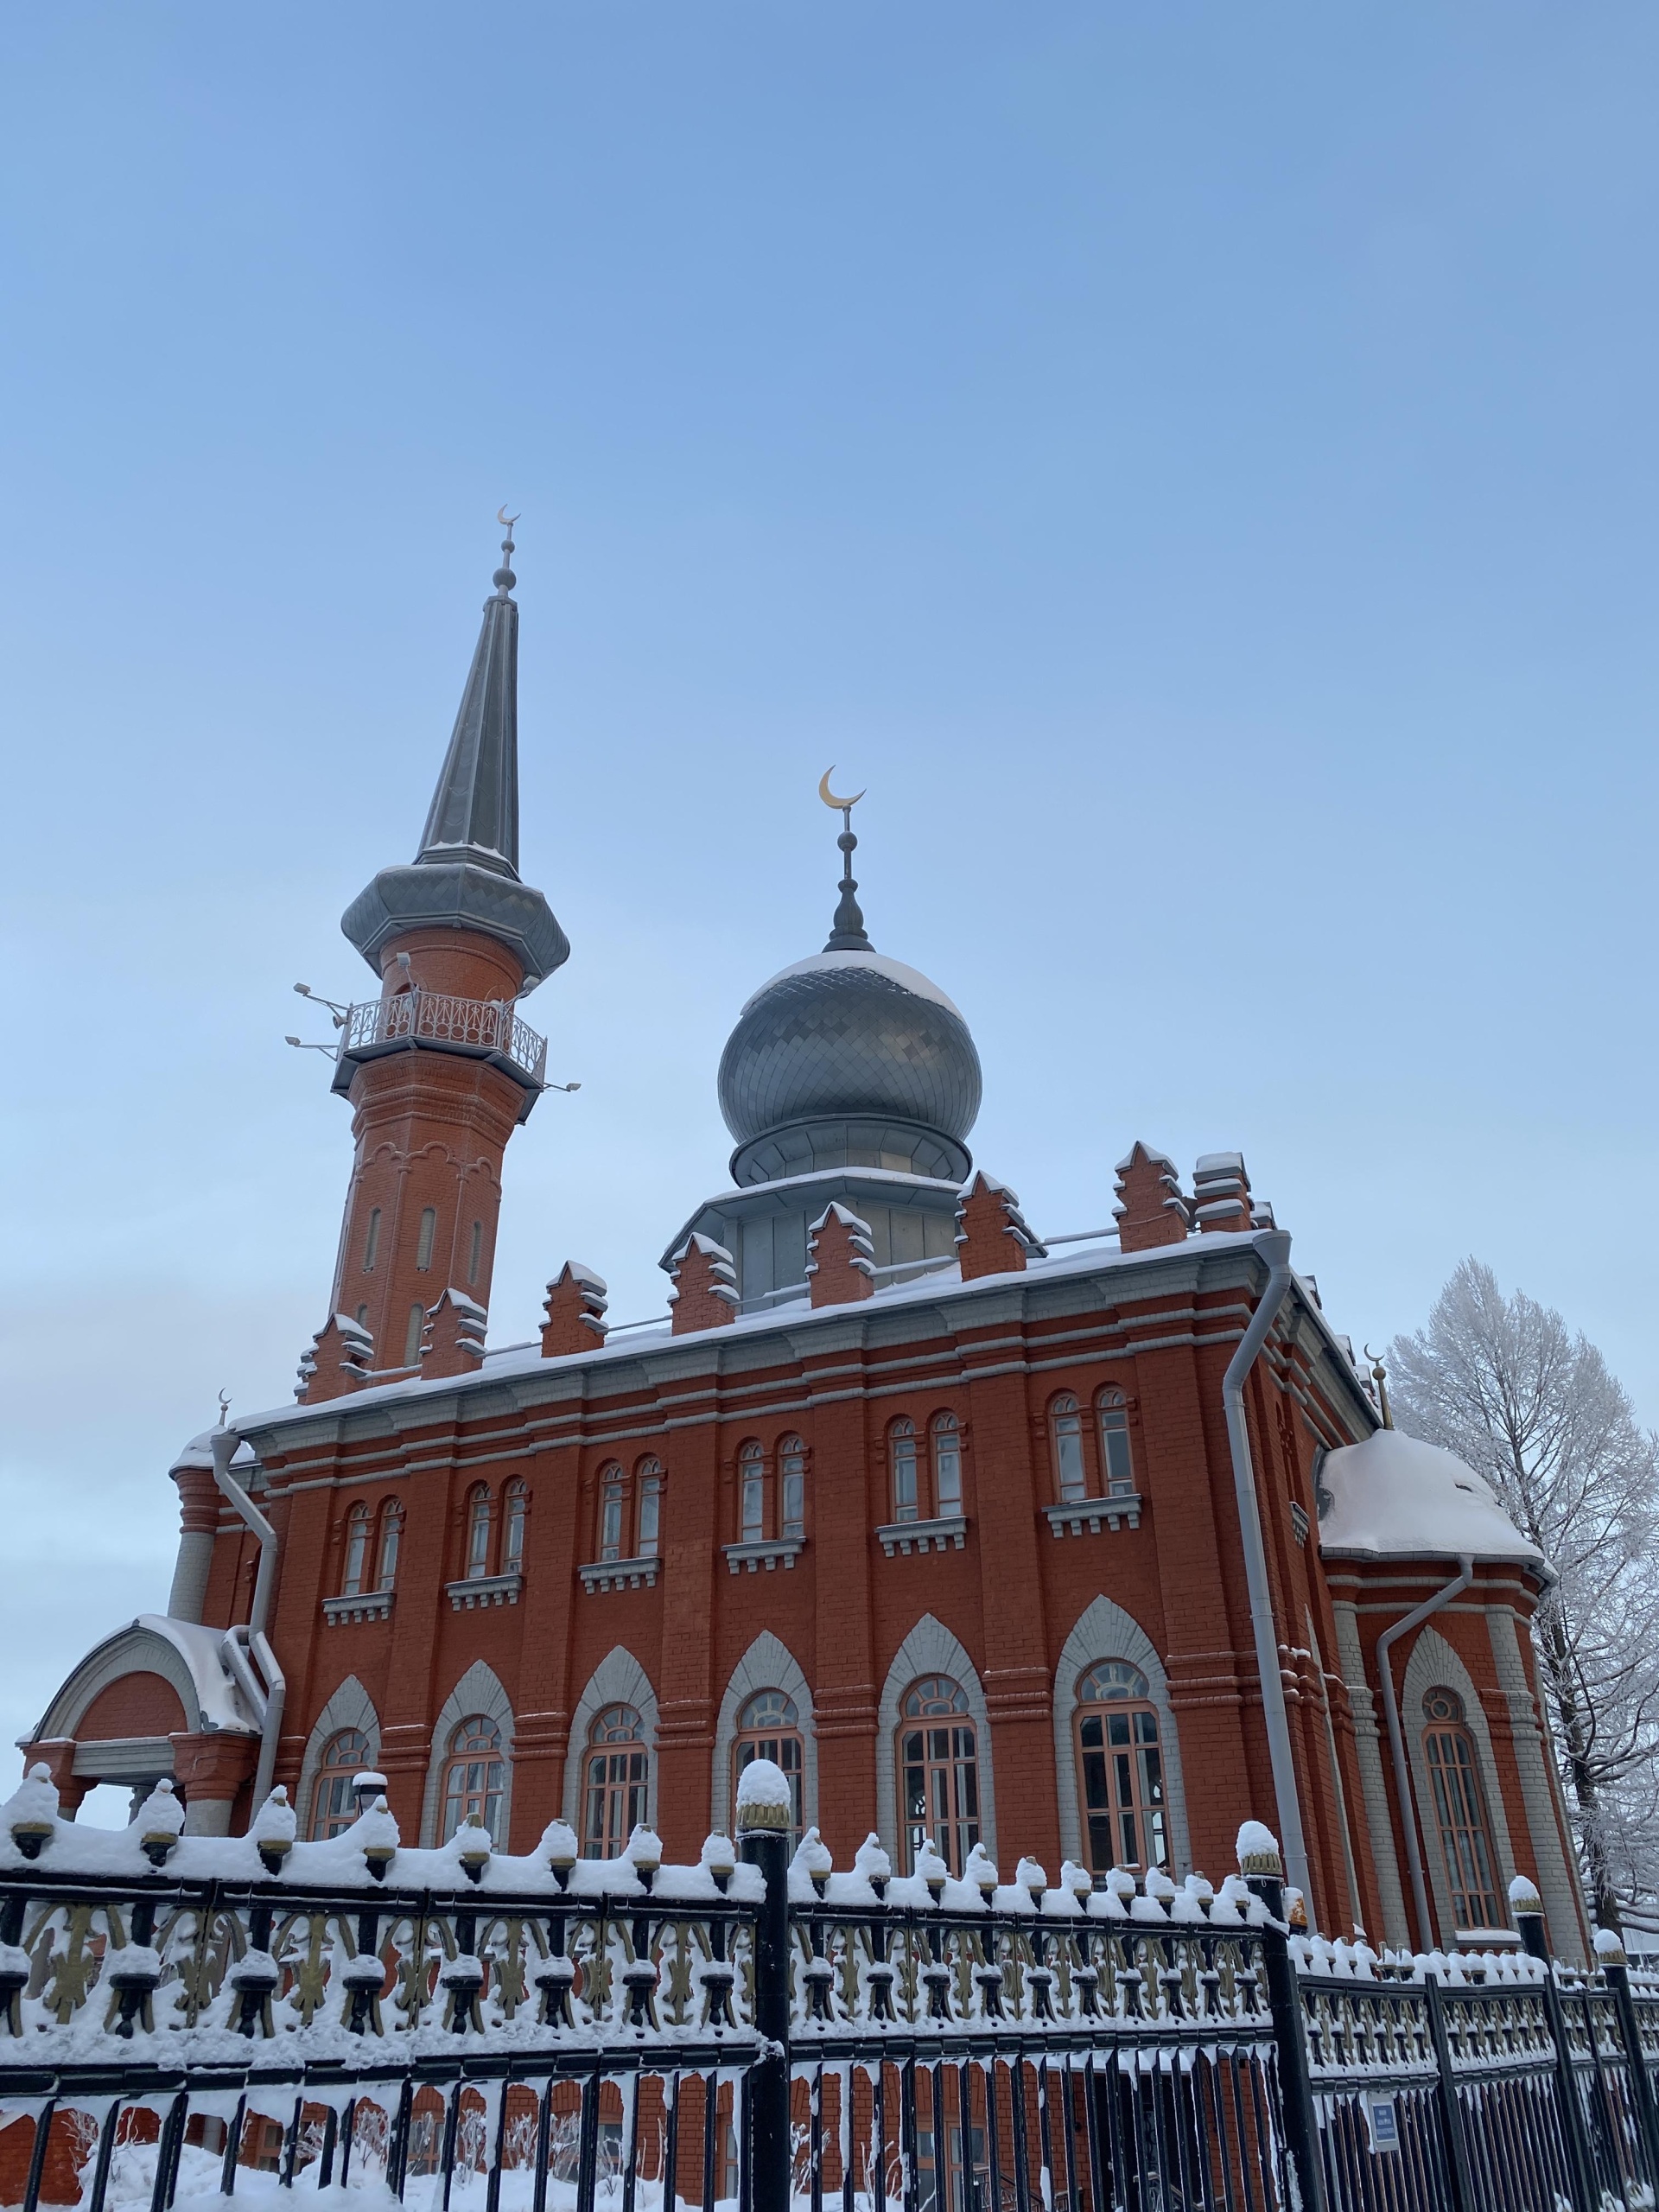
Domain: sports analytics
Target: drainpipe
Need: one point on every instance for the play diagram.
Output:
(1385, 1643)
(1274, 1247)
(269, 1701)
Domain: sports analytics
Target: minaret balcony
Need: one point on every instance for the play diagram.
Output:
(418, 1020)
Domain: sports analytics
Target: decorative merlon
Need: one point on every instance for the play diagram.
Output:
(704, 1295)
(453, 1342)
(992, 1237)
(840, 1257)
(341, 1354)
(1150, 1209)
(575, 1303)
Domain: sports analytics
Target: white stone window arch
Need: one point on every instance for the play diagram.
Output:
(1433, 1663)
(619, 1678)
(351, 1707)
(930, 1648)
(1106, 1631)
(479, 1690)
(768, 1664)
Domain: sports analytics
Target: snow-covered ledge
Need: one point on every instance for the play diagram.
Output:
(621, 1573)
(361, 1605)
(772, 1553)
(1088, 1516)
(924, 1535)
(486, 1590)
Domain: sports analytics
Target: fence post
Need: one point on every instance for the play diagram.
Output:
(763, 1813)
(1457, 2152)
(1529, 1909)
(1264, 1875)
(1617, 1968)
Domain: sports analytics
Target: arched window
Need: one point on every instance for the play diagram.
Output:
(1120, 1769)
(1460, 1810)
(413, 1333)
(614, 1782)
(901, 1448)
(648, 1521)
(947, 1466)
(334, 1808)
(750, 1493)
(1112, 1412)
(1065, 1424)
(473, 1777)
(476, 1253)
(515, 1500)
(791, 1470)
(391, 1536)
(424, 1242)
(371, 1241)
(362, 1313)
(610, 1513)
(477, 1533)
(938, 1772)
(769, 1727)
(357, 1551)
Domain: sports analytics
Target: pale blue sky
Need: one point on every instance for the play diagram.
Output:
(1197, 465)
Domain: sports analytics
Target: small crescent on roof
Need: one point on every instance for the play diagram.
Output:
(506, 520)
(829, 797)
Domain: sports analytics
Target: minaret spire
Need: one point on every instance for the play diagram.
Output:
(847, 933)
(474, 812)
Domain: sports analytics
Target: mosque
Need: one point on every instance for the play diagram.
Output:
(1086, 1548)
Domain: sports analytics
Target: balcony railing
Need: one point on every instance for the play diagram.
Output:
(487, 1027)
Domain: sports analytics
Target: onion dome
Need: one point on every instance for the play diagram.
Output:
(849, 1058)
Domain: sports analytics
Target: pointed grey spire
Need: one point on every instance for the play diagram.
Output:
(465, 874)
(475, 813)
(847, 933)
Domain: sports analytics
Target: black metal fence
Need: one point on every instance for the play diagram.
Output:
(185, 2018)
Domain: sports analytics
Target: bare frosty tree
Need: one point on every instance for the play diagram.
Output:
(1502, 1383)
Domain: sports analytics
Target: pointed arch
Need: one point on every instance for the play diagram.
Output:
(1104, 1630)
(768, 1664)
(351, 1707)
(619, 1678)
(1433, 1662)
(479, 1690)
(930, 1648)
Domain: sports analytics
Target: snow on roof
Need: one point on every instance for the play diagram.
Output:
(1397, 1497)
(909, 979)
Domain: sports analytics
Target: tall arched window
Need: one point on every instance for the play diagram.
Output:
(610, 1513)
(1111, 1411)
(750, 1493)
(1120, 1769)
(391, 1536)
(938, 1772)
(372, 1242)
(648, 1519)
(901, 1450)
(412, 1335)
(614, 1782)
(333, 1807)
(1460, 1810)
(472, 1775)
(1065, 1424)
(357, 1551)
(791, 1471)
(516, 1508)
(477, 1533)
(947, 1466)
(769, 1727)
(423, 1242)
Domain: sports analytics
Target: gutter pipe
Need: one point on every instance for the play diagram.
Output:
(1385, 1643)
(1273, 1245)
(239, 1643)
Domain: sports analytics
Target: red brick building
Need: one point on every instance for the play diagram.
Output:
(1088, 1549)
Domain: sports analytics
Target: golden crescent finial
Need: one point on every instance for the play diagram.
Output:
(838, 806)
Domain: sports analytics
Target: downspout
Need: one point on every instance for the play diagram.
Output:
(226, 1442)
(1274, 1247)
(1385, 1643)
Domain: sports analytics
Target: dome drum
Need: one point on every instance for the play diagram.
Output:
(807, 1147)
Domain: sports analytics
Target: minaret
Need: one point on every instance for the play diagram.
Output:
(439, 1068)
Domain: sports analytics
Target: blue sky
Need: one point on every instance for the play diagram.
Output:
(1196, 465)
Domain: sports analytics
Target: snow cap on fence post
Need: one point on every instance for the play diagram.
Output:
(873, 1863)
(1528, 1910)
(159, 1821)
(274, 1829)
(561, 1850)
(1262, 1868)
(644, 1852)
(375, 1834)
(31, 1811)
(813, 1860)
(763, 1800)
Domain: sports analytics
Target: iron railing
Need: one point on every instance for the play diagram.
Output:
(485, 1026)
(566, 2035)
